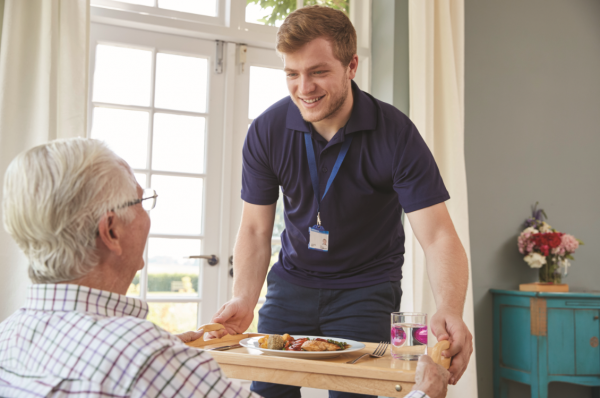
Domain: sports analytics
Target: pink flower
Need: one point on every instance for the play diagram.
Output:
(569, 243)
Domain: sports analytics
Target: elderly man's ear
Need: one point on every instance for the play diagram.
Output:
(109, 233)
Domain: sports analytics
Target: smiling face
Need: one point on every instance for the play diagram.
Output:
(318, 83)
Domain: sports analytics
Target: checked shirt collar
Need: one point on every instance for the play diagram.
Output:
(65, 297)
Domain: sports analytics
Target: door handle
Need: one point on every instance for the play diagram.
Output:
(211, 260)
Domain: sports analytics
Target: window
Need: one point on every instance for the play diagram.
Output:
(151, 106)
(273, 13)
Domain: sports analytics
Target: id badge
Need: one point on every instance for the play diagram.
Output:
(318, 239)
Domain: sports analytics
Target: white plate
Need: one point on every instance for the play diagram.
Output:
(252, 342)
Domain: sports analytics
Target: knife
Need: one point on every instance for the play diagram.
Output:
(225, 348)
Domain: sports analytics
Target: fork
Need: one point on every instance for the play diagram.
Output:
(378, 353)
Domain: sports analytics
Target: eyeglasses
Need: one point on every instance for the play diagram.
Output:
(148, 200)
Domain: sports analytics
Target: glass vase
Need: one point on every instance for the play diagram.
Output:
(550, 272)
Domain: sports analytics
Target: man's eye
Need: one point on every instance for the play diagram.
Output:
(291, 75)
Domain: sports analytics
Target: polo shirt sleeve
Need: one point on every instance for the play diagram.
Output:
(417, 179)
(260, 185)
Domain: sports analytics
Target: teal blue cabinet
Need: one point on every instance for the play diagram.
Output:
(544, 337)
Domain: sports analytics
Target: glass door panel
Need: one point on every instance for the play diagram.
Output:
(150, 104)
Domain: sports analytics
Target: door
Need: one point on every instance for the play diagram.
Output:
(259, 83)
(157, 101)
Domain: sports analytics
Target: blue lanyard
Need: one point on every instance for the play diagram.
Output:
(312, 166)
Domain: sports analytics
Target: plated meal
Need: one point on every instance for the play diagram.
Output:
(289, 343)
(302, 346)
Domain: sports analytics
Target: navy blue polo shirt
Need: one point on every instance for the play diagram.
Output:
(387, 168)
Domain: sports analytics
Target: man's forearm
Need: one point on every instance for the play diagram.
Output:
(448, 270)
(252, 254)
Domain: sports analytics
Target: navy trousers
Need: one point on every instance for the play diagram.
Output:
(361, 314)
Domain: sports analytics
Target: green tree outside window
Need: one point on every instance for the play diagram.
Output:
(282, 8)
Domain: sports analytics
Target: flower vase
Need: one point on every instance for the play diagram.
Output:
(550, 273)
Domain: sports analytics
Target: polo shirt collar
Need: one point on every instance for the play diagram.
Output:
(363, 117)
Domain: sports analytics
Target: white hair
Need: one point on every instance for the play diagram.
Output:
(54, 196)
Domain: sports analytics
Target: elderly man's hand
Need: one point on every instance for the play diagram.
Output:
(190, 336)
(431, 378)
(447, 325)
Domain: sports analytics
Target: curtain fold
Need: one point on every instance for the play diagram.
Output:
(436, 66)
(44, 52)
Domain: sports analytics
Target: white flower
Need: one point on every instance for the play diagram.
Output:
(531, 230)
(545, 228)
(535, 260)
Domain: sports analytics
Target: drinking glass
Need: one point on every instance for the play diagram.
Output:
(409, 335)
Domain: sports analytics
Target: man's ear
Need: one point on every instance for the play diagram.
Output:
(353, 67)
(107, 232)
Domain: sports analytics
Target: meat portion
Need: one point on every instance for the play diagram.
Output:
(313, 345)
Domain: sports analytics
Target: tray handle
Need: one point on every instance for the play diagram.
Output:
(436, 354)
(212, 327)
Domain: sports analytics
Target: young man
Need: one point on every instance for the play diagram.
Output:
(347, 165)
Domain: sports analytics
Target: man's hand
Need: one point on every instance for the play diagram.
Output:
(431, 378)
(235, 315)
(448, 326)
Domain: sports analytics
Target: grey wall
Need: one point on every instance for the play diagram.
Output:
(532, 134)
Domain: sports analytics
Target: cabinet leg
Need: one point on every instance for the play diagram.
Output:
(539, 390)
(595, 392)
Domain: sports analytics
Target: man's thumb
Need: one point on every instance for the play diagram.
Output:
(227, 313)
(438, 328)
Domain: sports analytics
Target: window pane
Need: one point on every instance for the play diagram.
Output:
(202, 7)
(267, 86)
(170, 272)
(125, 132)
(274, 16)
(122, 75)
(174, 317)
(279, 225)
(181, 82)
(179, 205)
(178, 143)
(134, 287)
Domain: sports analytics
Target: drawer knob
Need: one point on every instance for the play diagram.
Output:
(595, 318)
(398, 387)
(594, 342)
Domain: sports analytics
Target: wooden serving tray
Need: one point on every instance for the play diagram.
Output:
(384, 376)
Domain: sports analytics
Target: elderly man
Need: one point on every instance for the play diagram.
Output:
(75, 209)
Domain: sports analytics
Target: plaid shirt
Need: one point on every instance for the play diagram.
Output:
(70, 340)
(417, 394)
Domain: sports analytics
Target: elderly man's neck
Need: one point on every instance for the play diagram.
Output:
(105, 277)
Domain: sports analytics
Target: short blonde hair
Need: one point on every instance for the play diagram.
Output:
(309, 23)
(54, 197)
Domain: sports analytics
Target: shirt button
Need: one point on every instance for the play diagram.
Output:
(324, 169)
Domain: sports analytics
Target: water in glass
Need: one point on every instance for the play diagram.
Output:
(408, 335)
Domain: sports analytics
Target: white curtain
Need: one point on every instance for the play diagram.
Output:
(43, 96)
(436, 65)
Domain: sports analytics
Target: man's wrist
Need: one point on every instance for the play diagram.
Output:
(417, 394)
(452, 310)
